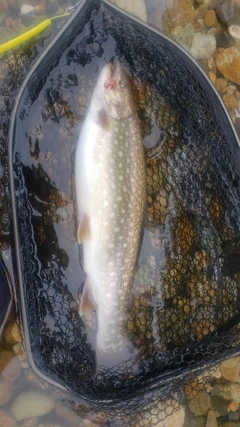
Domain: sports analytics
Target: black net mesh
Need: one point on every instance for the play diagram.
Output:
(185, 311)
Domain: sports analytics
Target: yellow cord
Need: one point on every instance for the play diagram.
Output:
(29, 34)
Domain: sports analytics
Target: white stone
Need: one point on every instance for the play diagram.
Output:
(30, 404)
(134, 7)
(26, 8)
(203, 46)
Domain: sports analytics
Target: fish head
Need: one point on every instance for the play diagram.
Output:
(113, 92)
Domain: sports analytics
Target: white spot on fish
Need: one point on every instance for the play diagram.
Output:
(106, 203)
(120, 153)
(120, 177)
(119, 198)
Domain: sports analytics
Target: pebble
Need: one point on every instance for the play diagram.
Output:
(228, 12)
(31, 403)
(12, 370)
(6, 420)
(180, 12)
(230, 370)
(228, 63)
(26, 8)
(210, 19)
(231, 391)
(3, 6)
(219, 405)
(65, 414)
(176, 419)
(200, 404)
(230, 101)
(211, 419)
(185, 35)
(134, 7)
(234, 31)
(203, 46)
(6, 390)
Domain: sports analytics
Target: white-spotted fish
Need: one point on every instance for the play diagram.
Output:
(111, 193)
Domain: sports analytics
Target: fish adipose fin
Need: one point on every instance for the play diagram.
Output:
(102, 119)
(83, 232)
(87, 301)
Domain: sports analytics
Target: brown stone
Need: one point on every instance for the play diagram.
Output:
(212, 77)
(5, 357)
(211, 419)
(230, 101)
(12, 370)
(6, 390)
(6, 420)
(210, 19)
(181, 13)
(200, 404)
(221, 85)
(12, 335)
(228, 63)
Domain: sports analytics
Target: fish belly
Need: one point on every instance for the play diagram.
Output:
(111, 193)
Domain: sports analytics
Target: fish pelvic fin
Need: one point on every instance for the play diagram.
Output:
(87, 301)
(103, 120)
(83, 232)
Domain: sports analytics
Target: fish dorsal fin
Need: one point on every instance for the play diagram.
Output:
(103, 120)
(83, 232)
(87, 301)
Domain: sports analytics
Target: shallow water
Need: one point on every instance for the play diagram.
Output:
(190, 240)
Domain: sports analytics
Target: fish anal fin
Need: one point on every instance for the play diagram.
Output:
(83, 232)
(102, 119)
(87, 301)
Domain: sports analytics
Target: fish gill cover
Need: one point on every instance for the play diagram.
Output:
(185, 294)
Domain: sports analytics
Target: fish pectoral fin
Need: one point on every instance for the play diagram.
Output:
(83, 232)
(87, 301)
(102, 119)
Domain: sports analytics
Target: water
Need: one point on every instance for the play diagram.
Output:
(185, 287)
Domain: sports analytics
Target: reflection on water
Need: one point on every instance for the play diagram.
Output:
(185, 287)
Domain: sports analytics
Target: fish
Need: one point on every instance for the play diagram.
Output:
(110, 185)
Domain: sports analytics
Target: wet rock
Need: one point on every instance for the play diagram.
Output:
(211, 419)
(6, 34)
(12, 370)
(66, 415)
(231, 391)
(6, 420)
(33, 380)
(185, 35)
(228, 63)
(26, 8)
(6, 390)
(12, 335)
(3, 6)
(201, 11)
(231, 370)
(176, 419)
(203, 46)
(135, 7)
(229, 424)
(228, 12)
(191, 420)
(210, 19)
(181, 13)
(200, 404)
(230, 101)
(32, 403)
(5, 358)
(219, 405)
(234, 31)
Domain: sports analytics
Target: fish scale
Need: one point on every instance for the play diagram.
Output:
(111, 195)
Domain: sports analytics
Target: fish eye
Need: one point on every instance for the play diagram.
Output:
(122, 83)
